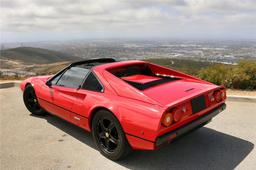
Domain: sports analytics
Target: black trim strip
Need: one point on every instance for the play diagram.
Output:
(139, 137)
(95, 61)
(63, 108)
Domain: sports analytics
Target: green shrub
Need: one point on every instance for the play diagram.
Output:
(241, 76)
(244, 75)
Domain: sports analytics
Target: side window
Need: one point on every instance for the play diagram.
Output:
(92, 83)
(73, 77)
(55, 80)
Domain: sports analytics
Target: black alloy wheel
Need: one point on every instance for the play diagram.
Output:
(109, 136)
(31, 102)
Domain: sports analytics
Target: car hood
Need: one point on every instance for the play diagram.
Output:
(177, 91)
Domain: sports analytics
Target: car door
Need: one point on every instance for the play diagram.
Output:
(65, 90)
(63, 99)
(46, 95)
(90, 88)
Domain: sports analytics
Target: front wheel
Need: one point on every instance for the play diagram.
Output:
(31, 102)
(109, 136)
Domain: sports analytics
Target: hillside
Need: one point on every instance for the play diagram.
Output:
(46, 69)
(30, 55)
(184, 65)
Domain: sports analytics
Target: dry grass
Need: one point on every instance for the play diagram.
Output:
(45, 69)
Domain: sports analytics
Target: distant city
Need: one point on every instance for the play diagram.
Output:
(229, 52)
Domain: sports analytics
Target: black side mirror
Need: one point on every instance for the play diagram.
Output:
(48, 83)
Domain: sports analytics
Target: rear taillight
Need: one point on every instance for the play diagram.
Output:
(217, 96)
(211, 97)
(167, 119)
(223, 94)
(176, 114)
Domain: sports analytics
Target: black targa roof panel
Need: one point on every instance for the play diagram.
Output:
(93, 62)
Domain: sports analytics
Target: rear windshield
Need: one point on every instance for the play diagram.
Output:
(140, 76)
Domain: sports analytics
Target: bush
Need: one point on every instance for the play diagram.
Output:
(241, 76)
(244, 75)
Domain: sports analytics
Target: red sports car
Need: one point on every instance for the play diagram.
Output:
(126, 105)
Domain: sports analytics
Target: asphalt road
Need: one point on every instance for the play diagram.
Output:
(29, 142)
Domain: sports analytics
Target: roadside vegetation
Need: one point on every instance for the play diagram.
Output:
(241, 76)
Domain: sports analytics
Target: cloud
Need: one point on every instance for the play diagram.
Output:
(128, 18)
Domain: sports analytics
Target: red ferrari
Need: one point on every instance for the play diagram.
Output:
(126, 105)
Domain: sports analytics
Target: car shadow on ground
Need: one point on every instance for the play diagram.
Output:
(204, 148)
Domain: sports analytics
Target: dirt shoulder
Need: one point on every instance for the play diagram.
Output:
(241, 93)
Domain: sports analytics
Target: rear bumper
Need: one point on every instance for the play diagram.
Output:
(190, 126)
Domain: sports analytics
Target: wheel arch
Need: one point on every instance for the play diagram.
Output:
(27, 84)
(94, 112)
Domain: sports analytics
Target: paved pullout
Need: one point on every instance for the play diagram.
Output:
(29, 142)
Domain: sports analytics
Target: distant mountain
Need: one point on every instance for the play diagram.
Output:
(31, 55)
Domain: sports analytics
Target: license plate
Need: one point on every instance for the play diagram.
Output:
(198, 104)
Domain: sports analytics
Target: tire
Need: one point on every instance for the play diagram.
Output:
(31, 102)
(109, 136)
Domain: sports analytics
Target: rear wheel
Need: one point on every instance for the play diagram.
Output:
(109, 136)
(31, 102)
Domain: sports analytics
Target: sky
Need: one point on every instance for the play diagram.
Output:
(47, 20)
